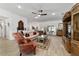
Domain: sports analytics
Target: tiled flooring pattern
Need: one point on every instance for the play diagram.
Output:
(56, 48)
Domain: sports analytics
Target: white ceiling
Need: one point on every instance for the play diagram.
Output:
(27, 8)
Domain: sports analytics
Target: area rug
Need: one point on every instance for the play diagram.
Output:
(44, 45)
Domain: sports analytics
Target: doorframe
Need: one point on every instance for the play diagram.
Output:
(3, 24)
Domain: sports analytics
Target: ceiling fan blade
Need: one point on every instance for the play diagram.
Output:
(43, 14)
(34, 13)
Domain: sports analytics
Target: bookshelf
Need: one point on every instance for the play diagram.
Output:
(67, 31)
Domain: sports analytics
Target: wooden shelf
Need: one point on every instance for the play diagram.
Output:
(66, 39)
(72, 44)
(75, 36)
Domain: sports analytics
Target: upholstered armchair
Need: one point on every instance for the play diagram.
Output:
(26, 45)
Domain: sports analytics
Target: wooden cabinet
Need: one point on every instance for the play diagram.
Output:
(75, 23)
(59, 33)
(75, 47)
(67, 44)
(76, 26)
(67, 31)
(71, 40)
(59, 30)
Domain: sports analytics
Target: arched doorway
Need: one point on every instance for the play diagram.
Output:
(20, 25)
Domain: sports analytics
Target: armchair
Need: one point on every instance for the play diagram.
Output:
(25, 45)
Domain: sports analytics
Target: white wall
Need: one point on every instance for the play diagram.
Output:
(12, 19)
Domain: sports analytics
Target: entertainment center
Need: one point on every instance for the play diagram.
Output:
(71, 30)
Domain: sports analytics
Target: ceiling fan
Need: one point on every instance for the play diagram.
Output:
(40, 12)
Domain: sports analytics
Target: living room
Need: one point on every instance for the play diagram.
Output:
(36, 29)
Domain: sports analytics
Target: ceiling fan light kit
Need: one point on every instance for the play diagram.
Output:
(40, 13)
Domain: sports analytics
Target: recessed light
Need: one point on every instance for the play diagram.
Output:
(19, 6)
(53, 14)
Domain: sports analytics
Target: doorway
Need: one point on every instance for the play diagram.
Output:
(2, 29)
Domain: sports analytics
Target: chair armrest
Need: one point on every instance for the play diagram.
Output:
(27, 45)
(24, 45)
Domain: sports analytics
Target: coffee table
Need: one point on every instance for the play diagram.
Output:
(42, 38)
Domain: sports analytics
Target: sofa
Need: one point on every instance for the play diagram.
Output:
(26, 45)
